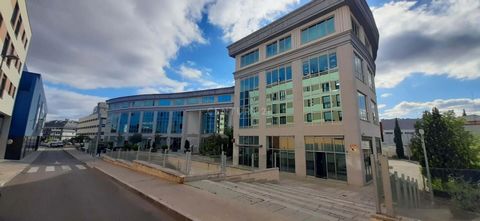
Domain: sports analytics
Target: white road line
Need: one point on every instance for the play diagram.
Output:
(66, 167)
(50, 169)
(80, 167)
(33, 170)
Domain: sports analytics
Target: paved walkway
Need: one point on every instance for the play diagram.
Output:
(11, 168)
(192, 203)
(410, 169)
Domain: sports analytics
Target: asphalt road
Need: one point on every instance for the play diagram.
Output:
(59, 187)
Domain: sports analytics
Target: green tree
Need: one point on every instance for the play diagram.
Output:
(212, 145)
(447, 143)
(397, 132)
(135, 139)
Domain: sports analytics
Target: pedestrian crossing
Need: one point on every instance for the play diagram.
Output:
(59, 168)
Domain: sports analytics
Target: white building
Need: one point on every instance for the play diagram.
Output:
(407, 126)
(88, 125)
(60, 130)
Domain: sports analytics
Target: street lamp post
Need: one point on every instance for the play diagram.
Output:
(429, 177)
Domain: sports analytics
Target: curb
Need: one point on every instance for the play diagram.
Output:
(160, 203)
(27, 164)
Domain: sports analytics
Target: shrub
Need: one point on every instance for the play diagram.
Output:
(464, 194)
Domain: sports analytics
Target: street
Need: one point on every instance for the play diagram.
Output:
(58, 187)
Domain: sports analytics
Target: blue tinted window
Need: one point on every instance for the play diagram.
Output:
(149, 103)
(164, 102)
(333, 60)
(179, 102)
(177, 122)
(208, 122)
(275, 76)
(313, 65)
(208, 99)
(318, 30)
(193, 101)
(281, 74)
(162, 122)
(225, 98)
(271, 49)
(323, 63)
(134, 122)
(289, 73)
(284, 44)
(122, 126)
(306, 68)
(269, 77)
(147, 122)
(249, 58)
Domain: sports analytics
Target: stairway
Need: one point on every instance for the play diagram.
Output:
(292, 202)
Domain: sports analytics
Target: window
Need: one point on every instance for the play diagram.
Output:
(248, 102)
(6, 45)
(319, 64)
(283, 108)
(278, 75)
(250, 58)
(134, 122)
(337, 98)
(208, 122)
(279, 46)
(355, 28)
(208, 100)
(14, 15)
(179, 102)
(19, 24)
(282, 95)
(362, 106)
(164, 102)
(373, 107)
(371, 79)
(2, 85)
(318, 30)
(325, 87)
(225, 98)
(162, 122)
(327, 116)
(326, 102)
(191, 101)
(147, 122)
(281, 153)
(248, 149)
(358, 68)
(177, 122)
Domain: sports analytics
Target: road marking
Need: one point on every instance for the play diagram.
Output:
(66, 167)
(50, 169)
(80, 167)
(33, 170)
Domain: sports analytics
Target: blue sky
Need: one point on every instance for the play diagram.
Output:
(167, 46)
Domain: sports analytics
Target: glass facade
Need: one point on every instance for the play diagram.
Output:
(322, 99)
(122, 125)
(367, 150)
(248, 150)
(279, 96)
(147, 122)
(164, 102)
(113, 119)
(318, 30)
(325, 157)
(281, 153)
(208, 100)
(134, 124)
(177, 122)
(358, 67)
(208, 122)
(162, 122)
(249, 113)
(224, 98)
(250, 58)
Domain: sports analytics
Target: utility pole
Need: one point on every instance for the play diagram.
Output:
(99, 130)
(429, 177)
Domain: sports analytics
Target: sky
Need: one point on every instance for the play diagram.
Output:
(89, 51)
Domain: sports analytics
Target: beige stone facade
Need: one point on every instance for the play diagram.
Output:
(88, 125)
(15, 35)
(360, 137)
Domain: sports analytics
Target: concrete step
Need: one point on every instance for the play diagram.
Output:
(304, 202)
(318, 197)
(306, 209)
(321, 204)
(324, 194)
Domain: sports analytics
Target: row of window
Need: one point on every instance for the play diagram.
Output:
(319, 64)
(249, 102)
(278, 75)
(3, 86)
(360, 73)
(313, 32)
(362, 108)
(173, 102)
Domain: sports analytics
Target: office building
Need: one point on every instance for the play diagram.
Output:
(305, 93)
(88, 125)
(15, 35)
(28, 118)
(59, 130)
(175, 117)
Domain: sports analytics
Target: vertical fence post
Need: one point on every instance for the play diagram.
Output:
(387, 187)
(274, 159)
(253, 161)
(164, 157)
(417, 194)
(376, 185)
(404, 190)
(398, 191)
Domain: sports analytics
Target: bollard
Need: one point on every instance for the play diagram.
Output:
(274, 160)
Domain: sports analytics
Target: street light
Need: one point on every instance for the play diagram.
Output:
(429, 177)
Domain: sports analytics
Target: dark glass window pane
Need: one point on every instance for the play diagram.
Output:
(323, 63)
(289, 73)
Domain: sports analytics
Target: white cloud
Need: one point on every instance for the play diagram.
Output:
(198, 78)
(148, 90)
(385, 95)
(112, 43)
(240, 18)
(415, 109)
(430, 37)
(63, 104)
(381, 106)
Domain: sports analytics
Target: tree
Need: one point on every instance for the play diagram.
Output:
(447, 143)
(464, 114)
(212, 145)
(398, 140)
(135, 139)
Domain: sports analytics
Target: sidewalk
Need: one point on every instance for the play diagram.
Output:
(11, 168)
(191, 203)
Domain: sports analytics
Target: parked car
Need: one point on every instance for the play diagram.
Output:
(56, 144)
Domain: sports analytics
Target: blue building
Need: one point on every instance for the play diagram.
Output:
(29, 115)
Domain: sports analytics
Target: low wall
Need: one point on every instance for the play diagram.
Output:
(271, 175)
(158, 171)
